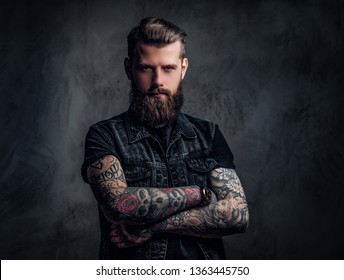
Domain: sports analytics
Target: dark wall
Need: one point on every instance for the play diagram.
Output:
(270, 73)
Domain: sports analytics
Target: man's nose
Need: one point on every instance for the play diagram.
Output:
(158, 78)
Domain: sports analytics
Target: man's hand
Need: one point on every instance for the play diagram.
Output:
(127, 236)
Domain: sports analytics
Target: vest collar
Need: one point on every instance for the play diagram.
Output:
(137, 131)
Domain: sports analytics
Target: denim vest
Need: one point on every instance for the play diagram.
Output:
(186, 161)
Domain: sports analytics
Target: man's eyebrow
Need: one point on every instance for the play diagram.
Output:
(144, 65)
(170, 65)
(153, 66)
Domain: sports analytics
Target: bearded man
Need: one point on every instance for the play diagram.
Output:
(165, 182)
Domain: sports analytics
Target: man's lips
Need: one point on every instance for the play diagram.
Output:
(158, 93)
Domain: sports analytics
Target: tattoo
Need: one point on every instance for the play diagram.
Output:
(153, 203)
(113, 173)
(226, 216)
(225, 181)
(136, 205)
(97, 165)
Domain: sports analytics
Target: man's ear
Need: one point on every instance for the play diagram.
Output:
(127, 68)
(185, 64)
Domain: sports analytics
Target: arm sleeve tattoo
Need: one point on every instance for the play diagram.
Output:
(228, 214)
(122, 204)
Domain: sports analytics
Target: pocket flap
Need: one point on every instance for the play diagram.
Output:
(133, 173)
(201, 164)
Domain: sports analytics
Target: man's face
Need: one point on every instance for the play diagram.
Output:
(156, 75)
(157, 68)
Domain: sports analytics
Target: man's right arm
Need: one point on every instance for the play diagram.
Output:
(226, 214)
(128, 205)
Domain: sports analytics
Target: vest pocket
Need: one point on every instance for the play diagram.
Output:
(137, 176)
(198, 170)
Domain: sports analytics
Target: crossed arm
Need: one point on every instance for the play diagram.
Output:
(227, 214)
(134, 206)
(167, 210)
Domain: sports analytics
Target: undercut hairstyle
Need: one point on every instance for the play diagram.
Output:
(155, 31)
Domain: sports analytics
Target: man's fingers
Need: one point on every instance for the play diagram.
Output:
(114, 232)
(123, 237)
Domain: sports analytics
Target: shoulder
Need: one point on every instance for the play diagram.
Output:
(198, 121)
(111, 123)
(201, 124)
(107, 129)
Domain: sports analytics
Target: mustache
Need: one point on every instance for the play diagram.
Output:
(155, 91)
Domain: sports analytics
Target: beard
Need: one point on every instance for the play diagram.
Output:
(153, 111)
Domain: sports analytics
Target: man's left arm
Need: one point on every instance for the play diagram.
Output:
(226, 214)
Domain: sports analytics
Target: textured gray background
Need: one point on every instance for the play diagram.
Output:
(270, 73)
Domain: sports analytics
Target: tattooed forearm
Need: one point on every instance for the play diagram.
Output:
(122, 204)
(150, 204)
(226, 216)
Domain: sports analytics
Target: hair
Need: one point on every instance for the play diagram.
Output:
(155, 31)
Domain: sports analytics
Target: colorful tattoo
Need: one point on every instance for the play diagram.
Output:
(227, 215)
(136, 205)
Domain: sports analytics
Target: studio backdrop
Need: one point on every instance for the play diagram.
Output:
(269, 73)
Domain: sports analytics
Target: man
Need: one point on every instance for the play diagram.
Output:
(164, 181)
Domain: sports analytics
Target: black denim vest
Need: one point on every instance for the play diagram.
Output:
(187, 161)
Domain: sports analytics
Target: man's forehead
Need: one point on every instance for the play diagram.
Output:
(168, 50)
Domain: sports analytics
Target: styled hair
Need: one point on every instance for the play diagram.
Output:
(155, 31)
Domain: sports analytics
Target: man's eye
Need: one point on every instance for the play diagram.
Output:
(146, 69)
(168, 68)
